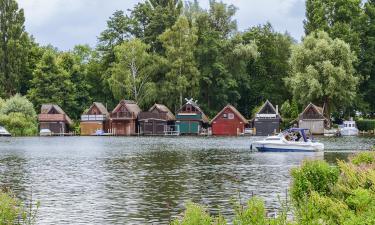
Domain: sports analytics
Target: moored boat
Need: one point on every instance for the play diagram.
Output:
(291, 140)
(349, 128)
(4, 132)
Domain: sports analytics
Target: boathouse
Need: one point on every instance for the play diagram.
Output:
(267, 120)
(191, 119)
(95, 120)
(123, 119)
(313, 118)
(158, 120)
(228, 122)
(52, 117)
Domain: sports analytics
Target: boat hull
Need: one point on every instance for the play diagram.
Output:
(288, 147)
(349, 132)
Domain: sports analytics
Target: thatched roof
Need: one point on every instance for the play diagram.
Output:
(163, 108)
(131, 106)
(46, 109)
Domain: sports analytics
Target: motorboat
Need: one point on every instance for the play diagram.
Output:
(99, 132)
(45, 132)
(4, 132)
(349, 128)
(291, 140)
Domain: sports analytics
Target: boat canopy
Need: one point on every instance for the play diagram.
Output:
(301, 131)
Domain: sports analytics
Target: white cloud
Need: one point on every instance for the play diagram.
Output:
(64, 23)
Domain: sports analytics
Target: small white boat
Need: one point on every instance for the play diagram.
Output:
(45, 132)
(331, 133)
(291, 140)
(349, 128)
(4, 132)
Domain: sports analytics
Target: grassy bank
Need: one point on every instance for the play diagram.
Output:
(320, 194)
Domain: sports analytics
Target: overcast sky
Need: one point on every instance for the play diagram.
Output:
(65, 23)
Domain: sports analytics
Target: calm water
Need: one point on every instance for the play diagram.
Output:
(110, 180)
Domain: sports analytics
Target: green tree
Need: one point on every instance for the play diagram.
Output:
(339, 18)
(215, 56)
(51, 83)
(322, 72)
(266, 70)
(14, 45)
(183, 76)
(132, 72)
(367, 56)
(74, 63)
(154, 17)
(18, 116)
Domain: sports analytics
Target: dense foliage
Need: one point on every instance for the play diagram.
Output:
(165, 51)
(320, 193)
(13, 212)
(18, 116)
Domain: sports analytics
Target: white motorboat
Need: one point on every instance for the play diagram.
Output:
(4, 132)
(349, 128)
(45, 132)
(291, 140)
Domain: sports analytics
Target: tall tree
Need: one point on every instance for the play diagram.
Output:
(367, 56)
(154, 17)
(51, 83)
(132, 72)
(182, 78)
(266, 70)
(214, 48)
(339, 18)
(119, 28)
(14, 45)
(322, 72)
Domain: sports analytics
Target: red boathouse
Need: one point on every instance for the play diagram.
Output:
(228, 122)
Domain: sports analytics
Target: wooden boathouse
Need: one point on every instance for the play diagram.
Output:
(123, 119)
(191, 119)
(95, 119)
(267, 120)
(158, 120)
(52, 117)
(313, 118)
(228, 122)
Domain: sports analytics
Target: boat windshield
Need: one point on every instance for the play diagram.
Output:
(297, 135)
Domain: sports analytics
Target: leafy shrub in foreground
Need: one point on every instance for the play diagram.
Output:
(316, 176)
(12, 212)
(342, 195)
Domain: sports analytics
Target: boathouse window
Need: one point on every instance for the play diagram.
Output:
(225, 116)
(231, 116)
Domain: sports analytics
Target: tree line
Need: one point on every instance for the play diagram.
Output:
(167, 50)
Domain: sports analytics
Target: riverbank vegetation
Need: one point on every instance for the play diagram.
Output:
(320, 194)
(14, 212)
(164, 51)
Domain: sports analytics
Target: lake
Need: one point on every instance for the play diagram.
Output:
(147, 180)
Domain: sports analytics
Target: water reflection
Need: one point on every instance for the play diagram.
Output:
(148, 180)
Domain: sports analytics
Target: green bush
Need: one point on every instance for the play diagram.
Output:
(316, 176)
(18, 116)
(366, 125)
(12, 212)
(342, 195)
(364, 158)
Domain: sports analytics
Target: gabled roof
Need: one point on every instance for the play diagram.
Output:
(318, 110)
(102, 109)
(130, 105)
(46, 108)
(163, 108)
(267, 103)
(234, 110)
(195, 105)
